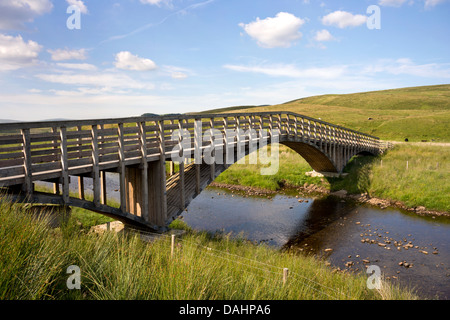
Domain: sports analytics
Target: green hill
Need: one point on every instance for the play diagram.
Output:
(416, 113)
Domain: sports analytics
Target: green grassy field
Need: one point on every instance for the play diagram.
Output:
(35, 258)
(417, 113)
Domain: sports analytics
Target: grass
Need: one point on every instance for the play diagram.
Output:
(417, 113)
(34, 260)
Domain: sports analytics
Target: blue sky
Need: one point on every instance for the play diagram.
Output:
(174, 56)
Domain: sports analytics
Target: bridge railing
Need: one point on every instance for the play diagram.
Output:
(31, 151)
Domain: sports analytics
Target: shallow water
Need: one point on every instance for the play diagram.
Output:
(331, 223)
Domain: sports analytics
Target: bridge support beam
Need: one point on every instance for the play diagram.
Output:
(154, 196)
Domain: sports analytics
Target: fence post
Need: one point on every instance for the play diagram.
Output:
(172, 246)
(285, 275)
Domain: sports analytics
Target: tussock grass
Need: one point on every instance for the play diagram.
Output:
(34, 260)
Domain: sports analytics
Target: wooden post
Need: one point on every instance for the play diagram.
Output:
(295, 129)
(162, 168)
(103, 187)
(213, 152)
(407, 165)
(28, 186)
(197, 152)
(123, 192)
(171, 168)
(285, 275)
(64, 165)
(181, 182)
(55, 148)
(172, 246)
(81, 187)
(145, 212)
(225, 143)
(95, 165)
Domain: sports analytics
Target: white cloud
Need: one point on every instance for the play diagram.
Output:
(15, 53)
(406, 66)
(14, 14)
(96, 80)
(176, 72)
(179, 75)
(343, 19)
(323, 35)
(66, 54)
(127, 61)
(432, 3)
(292, 71)
(279, 31)
(391, 3)
(78, 66)
(157, 2)
(80, 4)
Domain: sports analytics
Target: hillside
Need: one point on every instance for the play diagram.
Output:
(416, 113)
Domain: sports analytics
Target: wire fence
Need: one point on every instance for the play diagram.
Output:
(269, 272)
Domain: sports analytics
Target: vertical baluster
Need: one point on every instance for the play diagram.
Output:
(122, 185)
(95, 165)
(181, 182)
(212, 174)
(162, 168)
(80, 150)
(197, 152)
(226, 141)
(64, 165)
(55, 153)
(27, 165)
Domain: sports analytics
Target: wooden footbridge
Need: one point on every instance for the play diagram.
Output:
(138, 148)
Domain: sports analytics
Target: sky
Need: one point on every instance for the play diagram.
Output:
(86, 59)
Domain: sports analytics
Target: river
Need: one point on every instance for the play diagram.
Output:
(313, 225)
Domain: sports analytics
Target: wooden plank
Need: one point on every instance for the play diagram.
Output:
(12, 155)
(11, 149)
(12, 171)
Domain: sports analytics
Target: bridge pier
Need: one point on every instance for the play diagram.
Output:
(146, 192)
